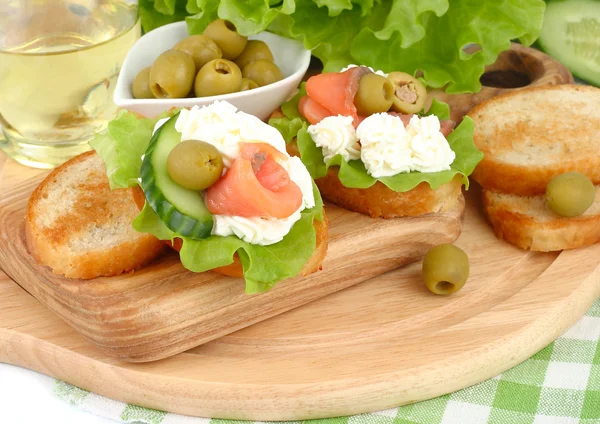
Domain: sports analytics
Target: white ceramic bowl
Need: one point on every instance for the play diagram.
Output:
(290, 55)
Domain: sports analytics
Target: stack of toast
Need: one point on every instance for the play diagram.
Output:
(528, 137)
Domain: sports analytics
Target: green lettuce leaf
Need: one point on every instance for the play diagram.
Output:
(439, 109)
(121, 146)
(415, 36)
(289, 124)
(264, 266)
(156, 13)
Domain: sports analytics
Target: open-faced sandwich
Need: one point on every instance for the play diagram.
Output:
(218, 185)
(372, 148)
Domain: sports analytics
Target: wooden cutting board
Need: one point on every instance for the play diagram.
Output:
(163, 309)
(376, 345)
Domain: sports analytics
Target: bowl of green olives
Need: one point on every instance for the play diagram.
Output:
(167, 68)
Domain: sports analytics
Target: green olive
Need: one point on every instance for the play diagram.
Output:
(201, 48)
(172, 75)
(141, 85)
(219, 76)
(263, 72)
(570, 194)
(248, 84)
(255, 50)
(445, 269)
(225, 35)
(409, 93)
(194, 164)
(375, 95)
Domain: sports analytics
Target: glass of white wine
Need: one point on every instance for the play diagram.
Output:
(59, 61)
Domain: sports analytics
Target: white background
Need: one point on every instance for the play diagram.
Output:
(27, 397)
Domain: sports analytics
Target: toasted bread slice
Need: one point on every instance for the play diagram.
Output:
(80, 228)
(531, 135)
(236, 270)
(527, 223)
(378, 201)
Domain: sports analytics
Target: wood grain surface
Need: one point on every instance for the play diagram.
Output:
(517, 67)
(163, 309)
(378, 344)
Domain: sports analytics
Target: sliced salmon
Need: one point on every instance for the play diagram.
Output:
(312, 111)
(335, 91)
(447, 126)
(255, 186)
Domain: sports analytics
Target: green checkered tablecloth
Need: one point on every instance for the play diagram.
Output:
(558, 385)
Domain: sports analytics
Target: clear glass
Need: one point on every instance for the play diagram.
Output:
(59, 61)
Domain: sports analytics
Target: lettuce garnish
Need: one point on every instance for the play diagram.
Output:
(121, 147)
(392, 35)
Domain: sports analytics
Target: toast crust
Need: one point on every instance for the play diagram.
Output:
(49, 245)
(235, 269)
(531, 135)
(526, 223)
(379, 201)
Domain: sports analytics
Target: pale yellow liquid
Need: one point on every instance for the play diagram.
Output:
(59, 62)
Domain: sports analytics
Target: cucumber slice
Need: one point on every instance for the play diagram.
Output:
(571, 34)
(181, 209)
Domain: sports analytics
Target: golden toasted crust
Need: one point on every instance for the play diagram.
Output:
(378, 201)
(528, 224)
(235, 269)
(68, 244)
(528, 136)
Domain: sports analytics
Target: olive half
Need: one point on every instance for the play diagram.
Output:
(409, 93)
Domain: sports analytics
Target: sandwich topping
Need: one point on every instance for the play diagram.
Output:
(263, 190)
(374, 127)
(386, 146)
(336, 136)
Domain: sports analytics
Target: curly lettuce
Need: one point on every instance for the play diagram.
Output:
(121, 147)
(448, 42)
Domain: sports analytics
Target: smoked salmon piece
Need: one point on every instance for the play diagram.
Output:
(255, 186)
(311, 110)
(335, 91)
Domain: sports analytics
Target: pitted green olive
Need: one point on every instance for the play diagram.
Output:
(570, 194)
(375, 95)
(445, 269)
(409, 93)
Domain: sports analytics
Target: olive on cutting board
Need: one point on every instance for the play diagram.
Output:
(445, 269)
